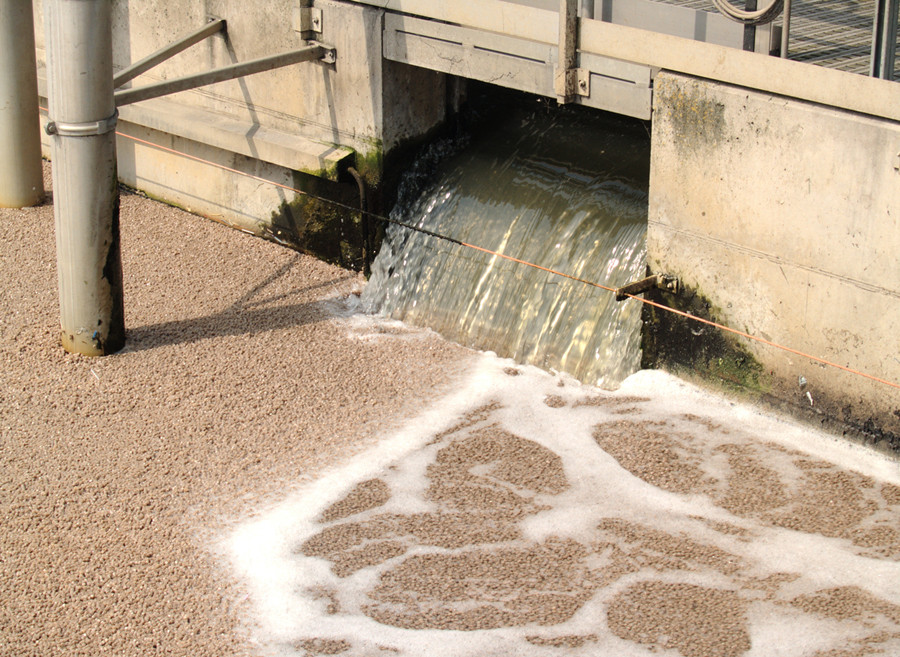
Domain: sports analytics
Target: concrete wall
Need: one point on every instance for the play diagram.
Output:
(290, 125)
(783, 218)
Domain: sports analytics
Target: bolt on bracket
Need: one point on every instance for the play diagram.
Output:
(572, 82)
(307, 20)
(659, 282)
(330, 54)
(584, 82)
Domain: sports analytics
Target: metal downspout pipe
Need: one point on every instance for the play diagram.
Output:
(363, 220)
(884, 39)
(21, 175)
(85, 186)
(786, 30)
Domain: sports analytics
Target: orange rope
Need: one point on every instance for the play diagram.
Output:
(689, 316)
(682, 313)
(546, 269)
(766, 342)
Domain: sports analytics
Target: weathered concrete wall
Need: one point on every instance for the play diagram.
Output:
(280, 125)
(783, 218)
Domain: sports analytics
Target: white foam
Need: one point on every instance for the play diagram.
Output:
(263, 550)
(682, 397)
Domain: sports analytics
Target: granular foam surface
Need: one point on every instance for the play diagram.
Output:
(530, 515)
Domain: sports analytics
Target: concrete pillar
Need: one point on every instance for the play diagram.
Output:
(85, 187)
(21, 178)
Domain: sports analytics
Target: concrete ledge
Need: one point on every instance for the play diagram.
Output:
(203, 126)
(231, 188)
(289, 151)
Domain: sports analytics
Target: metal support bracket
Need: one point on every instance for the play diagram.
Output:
(659, 282)
(572, 82)
(329, 54)
(307, 20)
(584, 82)
(213, 26)
(86, 129)
(312, 51)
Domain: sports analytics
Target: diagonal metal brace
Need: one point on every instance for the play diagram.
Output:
(183, 42)
(311, 52)
(659, 281)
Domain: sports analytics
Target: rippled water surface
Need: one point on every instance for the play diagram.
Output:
(558, 191)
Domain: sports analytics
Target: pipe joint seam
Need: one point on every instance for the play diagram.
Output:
(86, 129)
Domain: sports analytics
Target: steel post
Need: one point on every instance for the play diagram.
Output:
(85, 188)
(786, 30)
(21, 176)
(750, 29)
(566, 80)
(884, 39)
(586, 10)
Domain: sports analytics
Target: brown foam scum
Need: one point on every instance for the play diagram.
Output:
(664, 458)
(761, 481)
(366, 495)
(469, 566)
(484, 588)
(694, 620)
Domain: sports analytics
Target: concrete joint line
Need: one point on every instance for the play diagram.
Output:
(723, 244)
(85, 129)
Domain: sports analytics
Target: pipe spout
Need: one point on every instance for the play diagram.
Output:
(659, 281)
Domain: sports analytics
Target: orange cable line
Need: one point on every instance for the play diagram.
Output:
(526, 263)
(689, 316)
(536, 266)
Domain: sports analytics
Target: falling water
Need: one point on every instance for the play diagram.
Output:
(551, 189)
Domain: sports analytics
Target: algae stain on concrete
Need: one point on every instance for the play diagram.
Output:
(687, 347)
(696, 121)
(370, 164)
(323, 220)
(714, 358)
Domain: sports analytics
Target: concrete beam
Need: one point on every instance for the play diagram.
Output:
(830, 87)
(610, 84)
(839, 89)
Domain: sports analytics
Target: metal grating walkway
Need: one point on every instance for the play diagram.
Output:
(832, 33)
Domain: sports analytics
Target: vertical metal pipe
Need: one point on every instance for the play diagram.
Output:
(750, 30)
(363, 220)
(21, 177)
(786, 30)
(884, 39)
(85, 188)
(586, 10)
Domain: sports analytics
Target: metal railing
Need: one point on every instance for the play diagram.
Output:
(884, 29)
